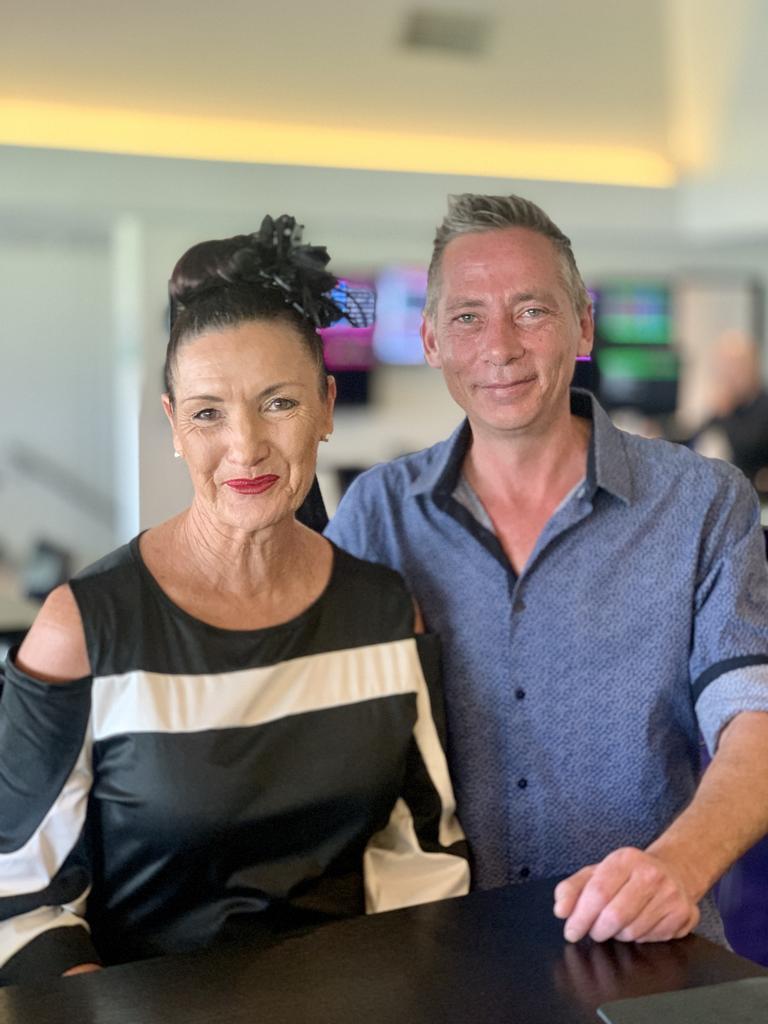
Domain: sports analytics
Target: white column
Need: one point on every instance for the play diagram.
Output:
(127, 246)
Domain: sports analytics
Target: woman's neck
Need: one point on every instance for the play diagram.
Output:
(236, 561)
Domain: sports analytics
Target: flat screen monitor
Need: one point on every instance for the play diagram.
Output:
(641, 378)
(352, 387)
(400, 296)
(346, 347)
(633, 313)
(585, 374)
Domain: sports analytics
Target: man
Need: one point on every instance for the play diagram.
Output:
(600, 598)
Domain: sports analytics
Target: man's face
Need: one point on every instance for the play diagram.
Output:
(504, 330)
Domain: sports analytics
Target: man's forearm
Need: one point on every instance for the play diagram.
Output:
(729, 812)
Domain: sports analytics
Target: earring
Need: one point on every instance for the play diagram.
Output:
(326, 437)
(176, 453)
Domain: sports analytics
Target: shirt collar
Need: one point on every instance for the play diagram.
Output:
(607, 464)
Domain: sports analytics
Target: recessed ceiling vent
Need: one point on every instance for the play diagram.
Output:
(447, 32)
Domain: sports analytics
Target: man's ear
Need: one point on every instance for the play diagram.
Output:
(429, 342)
(586, 332)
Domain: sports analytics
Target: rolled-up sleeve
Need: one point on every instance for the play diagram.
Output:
(729, 651)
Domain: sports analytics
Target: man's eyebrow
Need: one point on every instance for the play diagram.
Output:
(542, 296)
(279, 387)
(465, 303)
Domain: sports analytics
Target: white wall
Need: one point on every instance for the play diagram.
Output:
(56, 405)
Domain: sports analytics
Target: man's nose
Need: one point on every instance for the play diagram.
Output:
(503, 342)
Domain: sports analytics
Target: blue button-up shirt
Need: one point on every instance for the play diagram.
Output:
(575, 692)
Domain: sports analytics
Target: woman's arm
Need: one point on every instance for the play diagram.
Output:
(54, 649)
(45, 778)
(421, 854)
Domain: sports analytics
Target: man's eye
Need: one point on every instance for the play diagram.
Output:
(281, 404)
(534, 312)
(206, 414)
(466, 318)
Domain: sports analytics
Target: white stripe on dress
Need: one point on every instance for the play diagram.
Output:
(136, 702)
(398, 873)
(33, 865)
(18, 931)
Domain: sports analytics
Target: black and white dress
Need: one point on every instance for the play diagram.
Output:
(204, 781)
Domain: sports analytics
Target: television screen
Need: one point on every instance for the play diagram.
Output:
(400, 295)
(585, 374)
(346, 347)
(352, 386)
(633, 313)
(645, 379)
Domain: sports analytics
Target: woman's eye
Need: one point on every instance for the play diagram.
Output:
(281, 404)
(206, 414)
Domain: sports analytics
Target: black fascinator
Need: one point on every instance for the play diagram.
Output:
(273, 257)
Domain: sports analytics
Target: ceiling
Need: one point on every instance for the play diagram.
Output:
(572, 85)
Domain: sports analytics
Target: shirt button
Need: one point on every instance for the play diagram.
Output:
(519, 605)
(520, 693)
(582, 491)
(525, 872)
(522, 783)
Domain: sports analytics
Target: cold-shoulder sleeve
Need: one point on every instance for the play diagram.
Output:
(45, 780)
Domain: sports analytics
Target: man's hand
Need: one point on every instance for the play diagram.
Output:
(631, 895)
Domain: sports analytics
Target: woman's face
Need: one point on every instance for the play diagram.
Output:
(247, 417)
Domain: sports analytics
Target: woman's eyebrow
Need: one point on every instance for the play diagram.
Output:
(265, 393)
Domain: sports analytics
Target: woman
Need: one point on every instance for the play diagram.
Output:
(222, 727)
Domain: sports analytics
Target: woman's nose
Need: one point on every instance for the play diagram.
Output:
(248, 440)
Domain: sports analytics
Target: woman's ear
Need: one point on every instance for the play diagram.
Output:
(169, 412)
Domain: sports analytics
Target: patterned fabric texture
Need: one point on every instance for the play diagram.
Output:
(576, 692)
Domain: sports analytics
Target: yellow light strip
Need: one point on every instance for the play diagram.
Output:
(63, 126)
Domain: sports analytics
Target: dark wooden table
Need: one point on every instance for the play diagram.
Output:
(489, 958)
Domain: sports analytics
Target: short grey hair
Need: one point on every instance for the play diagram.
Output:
(470, 213)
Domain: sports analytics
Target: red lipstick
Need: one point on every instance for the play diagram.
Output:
(253, 485)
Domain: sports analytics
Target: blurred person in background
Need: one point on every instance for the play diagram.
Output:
(223, 728)
(737, 429)
(601, 597)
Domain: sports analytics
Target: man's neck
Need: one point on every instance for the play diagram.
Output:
(522, 480)
(532, 469)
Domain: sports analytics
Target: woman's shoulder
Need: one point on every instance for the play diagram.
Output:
(59, 645)
(115, 576)
(370, 600)
(117, 560)
(54, 649)
(363, 573)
